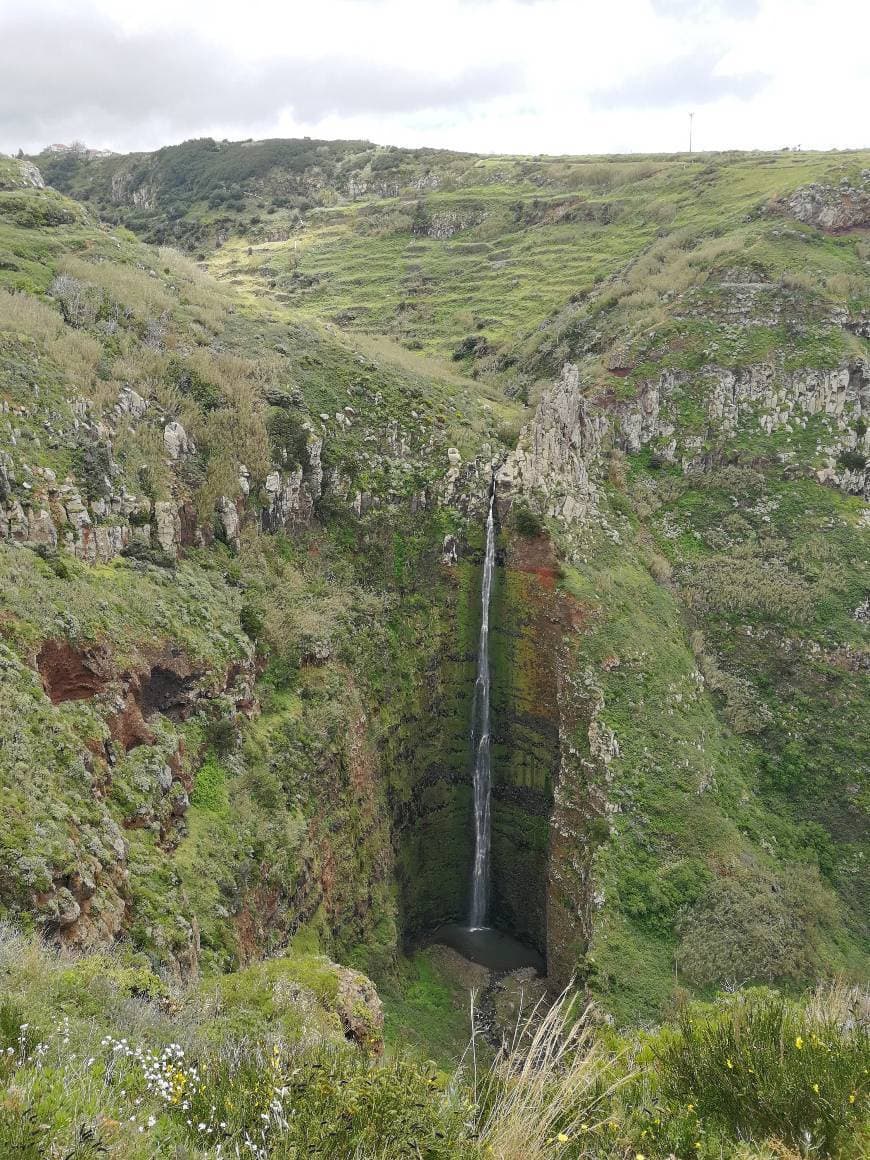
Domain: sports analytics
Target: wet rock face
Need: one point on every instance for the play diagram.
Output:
(525, 641)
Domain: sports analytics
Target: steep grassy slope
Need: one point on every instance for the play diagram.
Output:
(221, 555)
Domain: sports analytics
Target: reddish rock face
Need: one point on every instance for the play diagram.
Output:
(69, 674)
(128, 726)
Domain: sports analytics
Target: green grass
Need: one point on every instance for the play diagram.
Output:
(426, 1009)
(99, 1058)
(690, 810)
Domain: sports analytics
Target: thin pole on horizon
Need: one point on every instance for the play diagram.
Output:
(691, 119)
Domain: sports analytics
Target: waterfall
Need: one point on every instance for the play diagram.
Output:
(480, 740)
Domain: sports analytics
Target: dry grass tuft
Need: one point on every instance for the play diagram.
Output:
(549, 1085)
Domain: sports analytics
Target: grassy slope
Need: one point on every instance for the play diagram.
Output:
(549, 234)
(591, 258)
(363, 592)
(728, 859)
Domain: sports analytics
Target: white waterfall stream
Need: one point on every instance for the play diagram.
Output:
(480, 740)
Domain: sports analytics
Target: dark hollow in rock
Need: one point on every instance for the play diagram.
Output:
(168, 692)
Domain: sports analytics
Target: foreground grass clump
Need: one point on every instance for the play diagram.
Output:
(106, 1062)
(99, 1058)
(766, 1068)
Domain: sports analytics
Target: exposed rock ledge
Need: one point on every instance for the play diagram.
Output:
(561, 452)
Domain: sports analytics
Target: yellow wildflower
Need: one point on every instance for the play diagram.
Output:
(816, 1088)
(729, 1064)
(798, 1042)
(851, 1097)
(562, 1138)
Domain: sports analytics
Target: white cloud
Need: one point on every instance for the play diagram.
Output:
(485, 75)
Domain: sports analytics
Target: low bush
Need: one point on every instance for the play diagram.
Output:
(852, 460)
(527, 523)
(764, 1068)
(210, 789)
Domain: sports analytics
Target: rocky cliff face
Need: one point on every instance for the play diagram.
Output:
(566, 445)
(38, 510)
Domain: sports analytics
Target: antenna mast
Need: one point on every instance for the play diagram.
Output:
(691, 119)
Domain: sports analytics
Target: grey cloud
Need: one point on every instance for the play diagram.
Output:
(688, 80)
(77, 75)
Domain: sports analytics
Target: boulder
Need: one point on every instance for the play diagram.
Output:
(176, 441)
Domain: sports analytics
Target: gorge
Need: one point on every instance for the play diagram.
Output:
(449, 574)
(481, 943)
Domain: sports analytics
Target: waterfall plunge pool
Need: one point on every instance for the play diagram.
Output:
(491, 948)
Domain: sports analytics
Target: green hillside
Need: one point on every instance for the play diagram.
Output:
(242, 502)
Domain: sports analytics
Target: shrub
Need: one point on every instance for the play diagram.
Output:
(92, 464)
(191, 382)
(145, 554)
(527, 523)
(33, 209)
(288, 438)
(474, 346)
(251, 620)
(852, 460)
(732, 584)
(220, 735)
(763, 1068)
(754, 925)
(210, 789)
(54, 560)
(79, 303)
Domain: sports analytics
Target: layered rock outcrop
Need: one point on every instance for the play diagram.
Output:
(835, 208)
(563, 449)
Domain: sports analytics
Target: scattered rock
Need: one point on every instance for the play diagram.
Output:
(176, 441)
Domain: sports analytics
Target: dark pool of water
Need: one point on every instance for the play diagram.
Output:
(489, 947)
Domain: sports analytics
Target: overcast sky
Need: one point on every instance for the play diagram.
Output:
(530, 76)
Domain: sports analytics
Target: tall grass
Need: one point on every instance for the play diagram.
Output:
(23, 314)
(548, 1087)
(141, 293)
